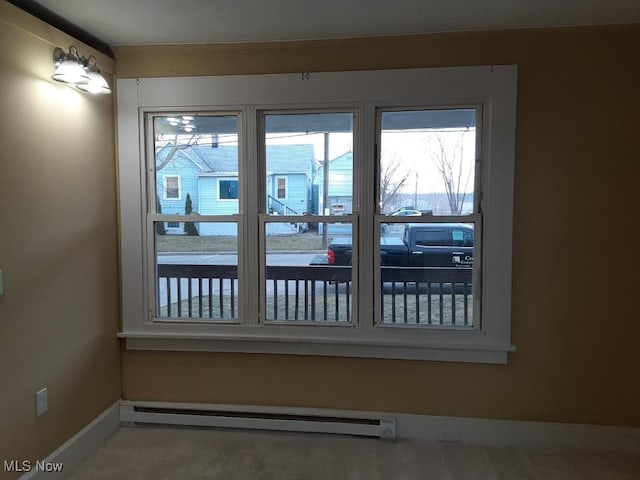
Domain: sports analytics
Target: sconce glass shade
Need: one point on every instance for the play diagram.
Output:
(96, 84)
(70, 72)
(68, 67)
(79, 70)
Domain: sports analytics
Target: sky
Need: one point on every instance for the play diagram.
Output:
(412, 153)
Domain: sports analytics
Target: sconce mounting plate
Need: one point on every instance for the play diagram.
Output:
(58, 56)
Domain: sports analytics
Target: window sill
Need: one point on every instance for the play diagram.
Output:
(363, 348)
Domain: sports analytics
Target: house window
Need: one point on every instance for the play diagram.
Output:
(281, 188)
(171, 188)
(228, 189)
(359, 214)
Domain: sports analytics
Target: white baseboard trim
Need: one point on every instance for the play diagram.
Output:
(520, 434)
(472, 431)
(75, 450)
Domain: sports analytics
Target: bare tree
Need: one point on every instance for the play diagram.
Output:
(173, 147)
(447, 154)
(393, 177)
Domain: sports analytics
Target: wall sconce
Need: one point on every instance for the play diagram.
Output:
(79, 70)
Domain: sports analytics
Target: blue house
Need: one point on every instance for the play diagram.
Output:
(340, 186)
(339, 192)
(210, 176)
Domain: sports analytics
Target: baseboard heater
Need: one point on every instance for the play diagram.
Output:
(261, 418)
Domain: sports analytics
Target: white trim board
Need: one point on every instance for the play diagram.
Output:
(84, 443)
(472, 431)
(490, 90)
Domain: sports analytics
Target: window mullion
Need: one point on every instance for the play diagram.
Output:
(251, 193)
(364, 191)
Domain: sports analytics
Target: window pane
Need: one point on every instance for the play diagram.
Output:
(309, 163)
(426, 274)
(433, 238)
(197, 271)
(282, 188)
(197, 156)
(172, 188)
(427, 162)
(300, 284)
(228, 189)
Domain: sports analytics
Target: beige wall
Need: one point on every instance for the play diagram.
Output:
(575, 314)
(575, 319)
(58, 244)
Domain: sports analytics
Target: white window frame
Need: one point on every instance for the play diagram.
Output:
(493, 87)
(286, 186)
(475, 217)
(165, 179)
(222, 179)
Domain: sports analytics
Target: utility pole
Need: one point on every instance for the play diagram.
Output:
(325, 189)
(415, 194)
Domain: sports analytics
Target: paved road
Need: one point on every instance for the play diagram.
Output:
(291, 259)
(285, 259)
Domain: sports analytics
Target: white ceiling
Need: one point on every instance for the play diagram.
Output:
(139, 22)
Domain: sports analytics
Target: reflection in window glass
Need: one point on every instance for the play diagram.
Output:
(309, 163)
(197, 156)
(427, 162)
(426, 274)
(300, 284)
(197, 271)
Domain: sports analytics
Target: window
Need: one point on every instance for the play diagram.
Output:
(311, 147)
(193, 263)
(355, 213)
(281, 188)
(462, 238)
(172, 188)
(428, 176)
(432, 238)
(227, 190)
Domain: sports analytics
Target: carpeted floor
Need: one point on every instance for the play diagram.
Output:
(153, 453)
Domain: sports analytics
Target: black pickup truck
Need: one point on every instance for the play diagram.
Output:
(422, 245)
